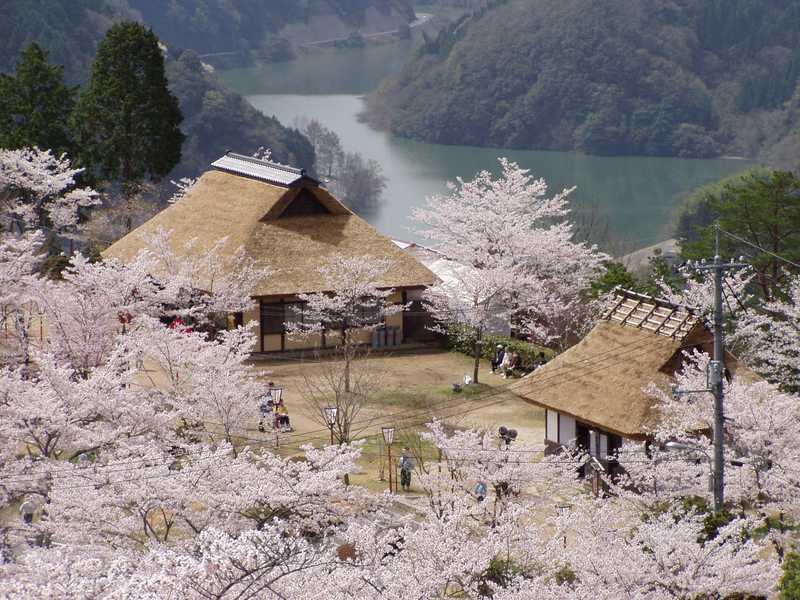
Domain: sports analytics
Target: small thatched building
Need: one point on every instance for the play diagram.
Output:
(594, 393)
(285, 221)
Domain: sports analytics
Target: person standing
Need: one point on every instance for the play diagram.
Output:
(406, 464)
(480, 491)
(505, 366)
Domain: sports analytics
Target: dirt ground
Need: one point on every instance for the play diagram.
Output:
(416, 387)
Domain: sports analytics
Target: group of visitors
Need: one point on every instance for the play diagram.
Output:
(276, 411)
(506, 361)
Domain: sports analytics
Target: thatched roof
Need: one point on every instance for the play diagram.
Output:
(602, 379)
(250, 213)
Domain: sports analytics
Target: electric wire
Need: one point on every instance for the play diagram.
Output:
(175, 473)
(426, 417)
(759, 248)
(425, 412)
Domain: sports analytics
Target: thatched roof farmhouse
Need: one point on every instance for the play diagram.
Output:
(594, 393)
(285, 221)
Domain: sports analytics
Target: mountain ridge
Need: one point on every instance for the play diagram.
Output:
(692, 78)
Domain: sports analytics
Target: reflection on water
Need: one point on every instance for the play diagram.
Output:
(351, 71)
(637, 195)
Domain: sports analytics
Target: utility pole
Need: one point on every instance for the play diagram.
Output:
(716, 369)
(717, 372)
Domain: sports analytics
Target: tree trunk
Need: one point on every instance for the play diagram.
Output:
(477, 355)
(347, 357)
(24, 342)
(128, 215)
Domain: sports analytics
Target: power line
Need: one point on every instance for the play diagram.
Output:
(551, 376)
(759, 248)
(425, 415)
(555, 372)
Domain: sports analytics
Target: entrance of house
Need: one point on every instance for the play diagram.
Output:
(417, 322)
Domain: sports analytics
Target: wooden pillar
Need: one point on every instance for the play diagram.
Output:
(261, 324)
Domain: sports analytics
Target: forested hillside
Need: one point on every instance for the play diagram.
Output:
(242, 25)
(215, 118)
(69, 29)
(681, 77)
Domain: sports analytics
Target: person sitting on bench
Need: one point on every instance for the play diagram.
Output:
(510, 364)
(283, 418)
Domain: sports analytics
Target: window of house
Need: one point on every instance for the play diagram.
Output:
(295, 313)
(272, 317)
(371, 314)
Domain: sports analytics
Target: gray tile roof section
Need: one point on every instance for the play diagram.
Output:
(263, 170)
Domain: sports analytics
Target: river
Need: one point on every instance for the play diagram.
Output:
(635, 197)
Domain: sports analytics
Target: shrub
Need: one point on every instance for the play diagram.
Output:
(500, 572)
(790, 582)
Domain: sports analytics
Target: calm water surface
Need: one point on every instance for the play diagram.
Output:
(636, 196)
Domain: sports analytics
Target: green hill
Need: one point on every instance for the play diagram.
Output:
(209, 26)
(69, 29)
(675, 78)
(216, 119)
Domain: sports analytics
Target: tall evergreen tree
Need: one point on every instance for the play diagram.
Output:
(127, 121)
(35, 104)
(764, 210)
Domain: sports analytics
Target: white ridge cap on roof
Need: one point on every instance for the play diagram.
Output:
(263, 170)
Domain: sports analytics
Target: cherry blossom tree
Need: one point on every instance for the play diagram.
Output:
(97, 435)
(478, 455)
(349, 388)
(520, 261)
(762, 424)
(598, 548)
(131, 436)
(769, 337)
(765, 334)
(95, 302)
(698, 291)
(608, 554)
(761, 457)
(19, 260)
(37, 187)
(354, 301)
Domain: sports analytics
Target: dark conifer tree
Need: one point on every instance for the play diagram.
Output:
(35, 104)
(127, 121)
